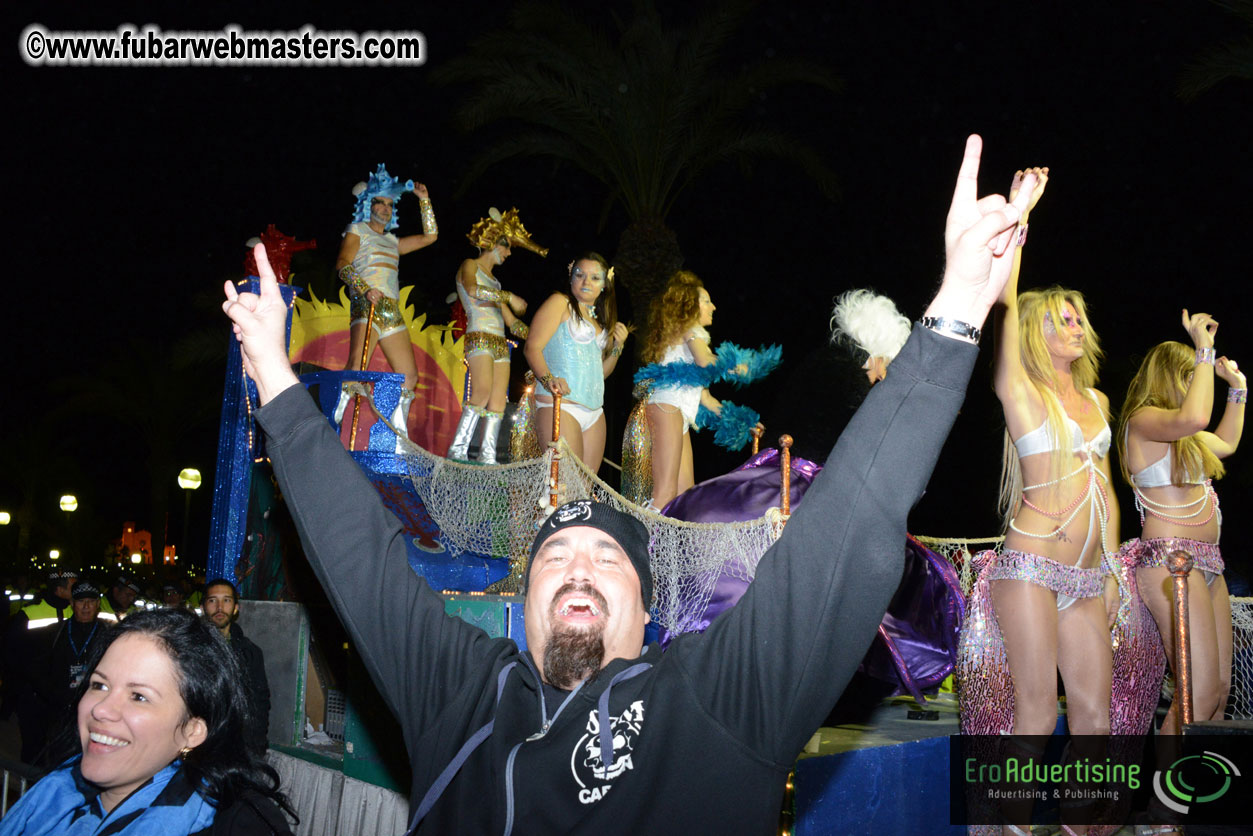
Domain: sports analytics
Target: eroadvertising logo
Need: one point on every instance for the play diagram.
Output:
(1026, 777)
(1084, 780)
(1194, 780)
(1114, 780)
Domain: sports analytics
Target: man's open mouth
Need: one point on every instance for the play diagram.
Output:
(579, 606)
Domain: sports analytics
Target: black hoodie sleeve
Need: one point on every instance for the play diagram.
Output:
(772, 667)
(418, 656)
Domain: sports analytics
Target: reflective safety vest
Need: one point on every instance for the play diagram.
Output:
(41, 614)
(17, 601)
(107, 613)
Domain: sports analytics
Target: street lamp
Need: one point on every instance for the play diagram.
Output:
(54, 554)
(69, 504)
(5, 553)
(188, 480)
(137, 558)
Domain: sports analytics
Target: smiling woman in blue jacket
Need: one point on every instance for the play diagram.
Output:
(160, 716)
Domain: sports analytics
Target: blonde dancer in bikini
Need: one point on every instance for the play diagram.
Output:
(1045, 596)
(1169, 460)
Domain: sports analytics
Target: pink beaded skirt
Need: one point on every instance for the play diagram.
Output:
(985, 691)
(1139, 660)
(1156, 552)
(984, 686)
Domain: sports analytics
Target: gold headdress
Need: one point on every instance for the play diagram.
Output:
(487, 232)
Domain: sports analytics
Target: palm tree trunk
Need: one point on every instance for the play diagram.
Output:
(648, 254)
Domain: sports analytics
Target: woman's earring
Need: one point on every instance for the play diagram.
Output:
(184, 752)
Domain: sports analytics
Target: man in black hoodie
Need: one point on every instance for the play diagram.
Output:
(221, 606)
(587, 731)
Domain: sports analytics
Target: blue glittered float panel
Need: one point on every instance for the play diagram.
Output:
(240, 442)
(887, 789)
(388, 472)
(517, 626)
(427, 555)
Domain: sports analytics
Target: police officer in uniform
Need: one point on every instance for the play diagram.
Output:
(73, 641)
(119, 601)
(53, 607)
(27, 646)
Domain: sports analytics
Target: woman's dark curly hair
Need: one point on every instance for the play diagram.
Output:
(210, 683)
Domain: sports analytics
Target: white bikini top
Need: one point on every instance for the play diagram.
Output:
(1157, 475)
(1040, 440)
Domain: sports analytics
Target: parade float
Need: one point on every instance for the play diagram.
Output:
(468, 530)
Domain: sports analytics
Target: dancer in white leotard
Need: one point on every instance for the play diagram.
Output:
(677, 322)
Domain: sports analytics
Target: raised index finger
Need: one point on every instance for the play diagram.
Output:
(967, 189)
(269, 282)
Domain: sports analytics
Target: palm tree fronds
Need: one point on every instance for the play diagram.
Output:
(1216, 65)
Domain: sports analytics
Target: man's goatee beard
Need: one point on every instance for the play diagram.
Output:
(571, 656)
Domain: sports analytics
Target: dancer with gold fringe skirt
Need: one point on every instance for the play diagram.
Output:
(490, 309)
(368, 263)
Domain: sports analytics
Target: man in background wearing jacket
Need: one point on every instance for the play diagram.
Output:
(221, 606)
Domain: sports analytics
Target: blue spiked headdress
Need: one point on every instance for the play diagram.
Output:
(380, 184)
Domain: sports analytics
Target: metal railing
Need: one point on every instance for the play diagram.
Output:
(18, 778)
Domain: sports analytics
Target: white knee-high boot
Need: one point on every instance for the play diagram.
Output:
(344, 397)
(400, 417)
(460, 447)
(491, 428)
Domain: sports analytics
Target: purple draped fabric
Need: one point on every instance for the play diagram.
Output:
(743, 494)
(916, 645)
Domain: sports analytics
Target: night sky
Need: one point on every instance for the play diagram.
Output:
(132, 192)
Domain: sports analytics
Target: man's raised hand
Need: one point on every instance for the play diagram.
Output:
(260, 324)
(977, 241)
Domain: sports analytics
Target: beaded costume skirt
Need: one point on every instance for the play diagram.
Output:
(481, 342)
(985, 689)
(1156, 552)
(388, 318)
(1139, 660)
(984, 686)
